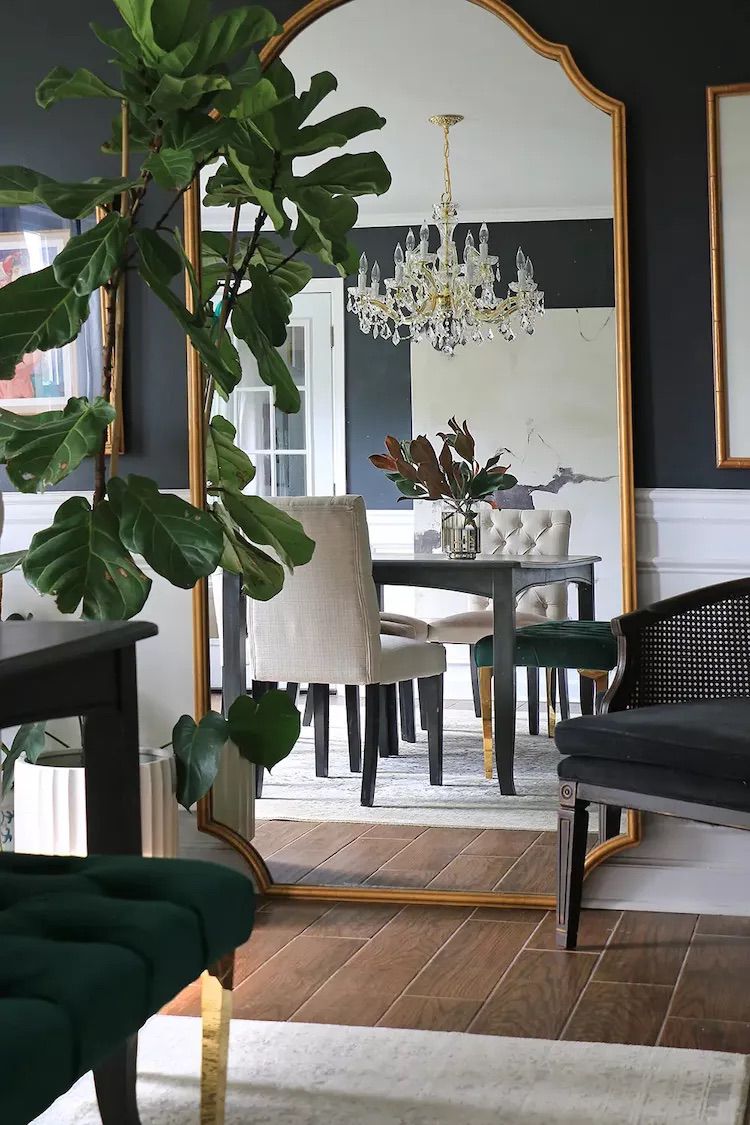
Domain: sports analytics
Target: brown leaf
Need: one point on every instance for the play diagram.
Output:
(393, 445)
(381, 461)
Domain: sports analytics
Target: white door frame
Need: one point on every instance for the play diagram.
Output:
(334, 286)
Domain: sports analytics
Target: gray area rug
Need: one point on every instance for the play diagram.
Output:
(403, 794)
(313, 1074)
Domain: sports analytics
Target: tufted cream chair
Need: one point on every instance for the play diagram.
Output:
(324, 628)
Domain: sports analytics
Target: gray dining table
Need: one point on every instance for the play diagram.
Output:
(501, 578)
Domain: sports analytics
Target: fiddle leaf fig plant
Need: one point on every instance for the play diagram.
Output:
(189, 93)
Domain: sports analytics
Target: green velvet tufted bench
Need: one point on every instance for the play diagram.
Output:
(89, 950)
(588, 646)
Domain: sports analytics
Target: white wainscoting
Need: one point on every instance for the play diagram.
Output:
(165, 662)
(687, 538)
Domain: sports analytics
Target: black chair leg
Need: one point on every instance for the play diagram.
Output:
(475, 683)
(587, 695)
(572, 838)
(351, 691)
(433, 693)
(321, 715)
(406, 708)
(259, 689)
(422, 707)
(562, 686)
(388, 721)
(292, 691)
(532, 692)
(307, 717)
(372, 737)
(114, 1080)
(609, 822)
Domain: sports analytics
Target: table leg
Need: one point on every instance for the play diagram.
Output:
(586, 613)
(110, 758)
(503, 647)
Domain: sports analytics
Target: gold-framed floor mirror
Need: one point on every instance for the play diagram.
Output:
(540, 157)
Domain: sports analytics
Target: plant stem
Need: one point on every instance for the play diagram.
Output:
(100, 463)
(288, 258)
(208, 393)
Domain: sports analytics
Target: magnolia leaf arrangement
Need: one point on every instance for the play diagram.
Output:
(190, 92)
(419, 473)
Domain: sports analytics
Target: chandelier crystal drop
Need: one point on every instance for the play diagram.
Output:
(439, 297)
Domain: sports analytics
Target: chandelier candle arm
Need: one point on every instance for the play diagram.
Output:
(439, 297)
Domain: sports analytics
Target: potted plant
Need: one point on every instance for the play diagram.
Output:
(460, 482)
(190, 92)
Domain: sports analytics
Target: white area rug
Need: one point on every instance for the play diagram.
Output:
(403, 794)
(312, 1074)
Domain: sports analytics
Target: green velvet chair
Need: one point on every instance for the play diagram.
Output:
(89, 950)
(588, 646)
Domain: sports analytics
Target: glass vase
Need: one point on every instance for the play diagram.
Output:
(460, 534)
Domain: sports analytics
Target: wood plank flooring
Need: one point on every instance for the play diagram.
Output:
(670, 979)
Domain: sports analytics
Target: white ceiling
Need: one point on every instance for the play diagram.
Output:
(531, 145)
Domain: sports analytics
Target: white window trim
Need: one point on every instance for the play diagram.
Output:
(335, 287)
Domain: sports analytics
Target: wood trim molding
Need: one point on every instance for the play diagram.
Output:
(561, 54)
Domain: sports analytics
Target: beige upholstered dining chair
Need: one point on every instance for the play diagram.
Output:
(515, 531)
(324, 628)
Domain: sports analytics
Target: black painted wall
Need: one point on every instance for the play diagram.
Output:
(657, 57)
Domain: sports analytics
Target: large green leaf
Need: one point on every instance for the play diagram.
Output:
(87, 261)
(321, 85)
(61, 83)
(41, 455)
(171, 167)
(122, 41)
(264, 732)
(255, 164)
(354, 173)
(137, 14)
(199, 134)
(271, 305)
(76, 201)
(264, 523)
(220, 39)
(173, 94)
(29, 741)
(329, 218)
(11, 560)
(157, 260)
(181, 542)
(36, 312)
(271, 367)
(334, 132)
(227, 466)
(291, 276)
(197, 750)
(174, 21)
(80, 558)
(262, 576)
(19, 186)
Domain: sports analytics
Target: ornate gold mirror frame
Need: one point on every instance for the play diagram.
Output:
(206, 821)
(725, 459)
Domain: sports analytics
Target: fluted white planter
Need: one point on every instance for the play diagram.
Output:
(50, 804)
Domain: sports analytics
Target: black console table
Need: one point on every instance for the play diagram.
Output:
(57, 669)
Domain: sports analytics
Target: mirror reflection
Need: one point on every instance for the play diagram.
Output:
(485, 295)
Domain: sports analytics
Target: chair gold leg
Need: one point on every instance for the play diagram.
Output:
(485, 699)
(216, 1012)
(551, 713)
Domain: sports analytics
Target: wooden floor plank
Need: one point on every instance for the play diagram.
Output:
(471, 873)
(594, 931)
(505, 914)
(536, 995)
(647, 948)
(275, 926)
(713, 983)
(277, 989)
(707, 1035)
(354, 863)
(431, 852)
(270, 835)
(354, 920)
(396, 831)
(502, 842)
(471, 963)
(533, 873)
(728, 925)
(363, 990)
(430, 1013)
(291, 863)
(619, 1013)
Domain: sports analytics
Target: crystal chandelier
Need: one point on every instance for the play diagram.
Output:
(438, 298)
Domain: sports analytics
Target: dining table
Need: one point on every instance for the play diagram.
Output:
(501, 578)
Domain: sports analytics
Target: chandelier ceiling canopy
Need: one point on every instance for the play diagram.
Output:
(438, 297)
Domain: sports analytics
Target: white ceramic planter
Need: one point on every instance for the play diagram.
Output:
(50, 804)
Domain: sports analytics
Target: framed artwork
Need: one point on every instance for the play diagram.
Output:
(30, 239)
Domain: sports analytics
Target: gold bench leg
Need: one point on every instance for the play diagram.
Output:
(485, 699)
(216, 1013)
(600, 678)
(551, 713)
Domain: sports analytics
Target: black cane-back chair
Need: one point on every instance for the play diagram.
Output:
(672, 734)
